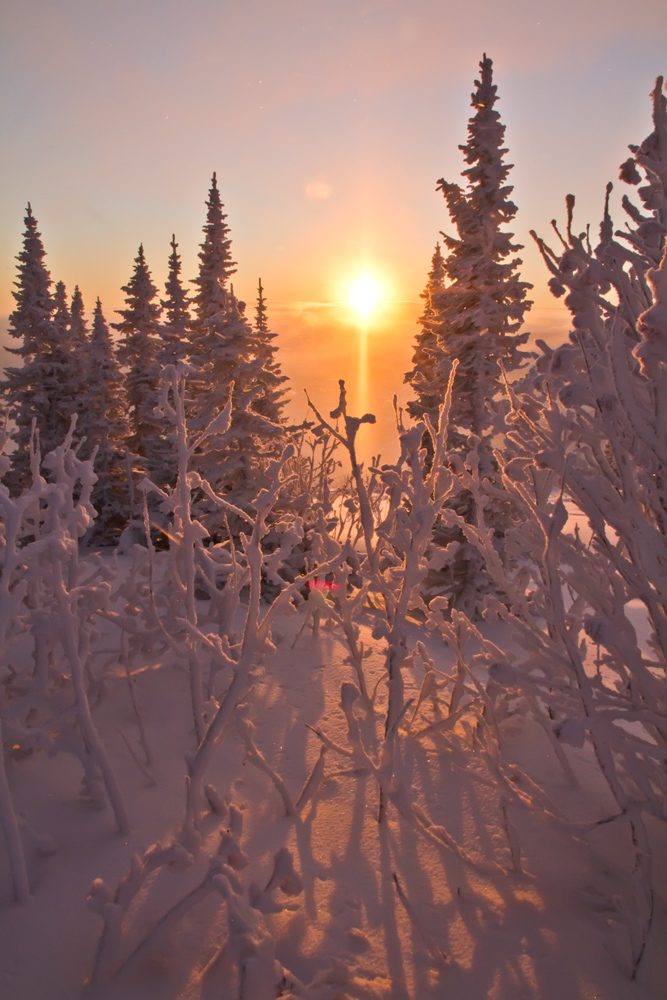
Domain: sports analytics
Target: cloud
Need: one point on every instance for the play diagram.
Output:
(318, 189)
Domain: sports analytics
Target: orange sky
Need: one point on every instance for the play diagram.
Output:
(329, 125)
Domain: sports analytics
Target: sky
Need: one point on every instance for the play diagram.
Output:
(329, 123)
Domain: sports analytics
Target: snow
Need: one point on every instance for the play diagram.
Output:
(386, 910)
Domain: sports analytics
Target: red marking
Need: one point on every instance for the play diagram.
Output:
(322, 585)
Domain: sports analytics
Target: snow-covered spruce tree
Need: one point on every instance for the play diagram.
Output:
(26, 389)
(175, 328)
(137, 349)
(104, 424)
(270, 402)
(477, 300)
(62, 382)
(78, 331)
(65, 382)
(175, 345)
(476, 304)
(228, 356)
(78, 348)
(424, 377)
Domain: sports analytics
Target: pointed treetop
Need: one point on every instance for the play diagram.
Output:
(78, 329)
(60, 298)
(176, 303)
(31, 320)
(475, 299)
(139, 319)
(216, 265)
(175, 329)
(101, 345)
(61, 316)
(261, 322)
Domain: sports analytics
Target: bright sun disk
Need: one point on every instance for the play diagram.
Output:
(364, 296)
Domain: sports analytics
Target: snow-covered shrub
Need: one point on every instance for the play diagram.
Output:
(49, 604)
(224, 663)
(587, 436)
(394, 555)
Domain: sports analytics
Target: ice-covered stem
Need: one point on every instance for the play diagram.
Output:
(214, 881)
(346, 607)
(69, 634)
(348, 440)
(112, 906)
(187, 532)
(414, 497)
(58, 549)
(12, 835)
(143, 739)
(423, 494)
(652, 325)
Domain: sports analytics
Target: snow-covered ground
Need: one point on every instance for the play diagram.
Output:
(463, 890)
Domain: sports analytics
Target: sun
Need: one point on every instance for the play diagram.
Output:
(365, 295)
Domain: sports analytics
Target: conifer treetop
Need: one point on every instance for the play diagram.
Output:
(216, 265)
(484, 150)
(423, 376)
(174, 332)
(261, 322)
(31, 320)
(484, 292)
(78, 328)
(270, 401)
(139, 320)
(475, 299)
(61, 316)
(176, 303)
(137, 349)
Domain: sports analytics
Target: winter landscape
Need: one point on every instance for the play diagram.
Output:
(282, 720)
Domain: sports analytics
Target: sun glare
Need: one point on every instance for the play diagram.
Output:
(365, 295)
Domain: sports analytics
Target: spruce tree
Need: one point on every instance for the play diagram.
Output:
(270, 402)
(60, 382)
(234, 462)
(423, 377)
(476, 304)
(78, 330)
(175, 329)
(477, 312)
(78, 347)
(24, 388)
(137, 350)
(215, 269)
(104, 424)
(229, 357)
